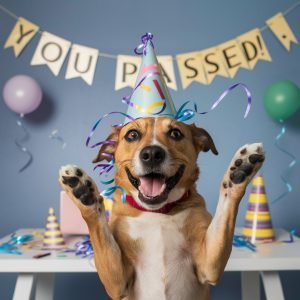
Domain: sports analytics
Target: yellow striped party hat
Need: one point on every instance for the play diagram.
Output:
(53, 238)
(258, 223)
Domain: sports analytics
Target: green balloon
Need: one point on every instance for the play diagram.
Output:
(282, 99)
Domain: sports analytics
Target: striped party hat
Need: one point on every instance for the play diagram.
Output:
(150, 96)
(258, 223)
(53, 238)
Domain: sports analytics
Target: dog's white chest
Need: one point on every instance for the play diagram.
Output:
(164, 269)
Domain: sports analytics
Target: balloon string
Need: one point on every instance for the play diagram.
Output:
(19, 144)
(288, 185)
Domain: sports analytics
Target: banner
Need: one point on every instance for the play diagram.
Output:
(21, 35)
(201, 66)
(282, 30)
(82, 63)
(253, 47)
(51, 51)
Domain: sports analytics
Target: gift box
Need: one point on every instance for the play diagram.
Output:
(71, 221)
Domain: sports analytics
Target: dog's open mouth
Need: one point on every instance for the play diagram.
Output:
(154, 187)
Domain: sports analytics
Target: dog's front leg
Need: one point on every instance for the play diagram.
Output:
(107, 253)
(217, 241)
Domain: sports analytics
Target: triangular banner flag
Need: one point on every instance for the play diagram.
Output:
(282, 30)
(82, 63)
(126, 71)
(190, 68)
(21, 35)
(253, 47)
(233, 56)
(167, 69)
(51, 51)
(213, 64)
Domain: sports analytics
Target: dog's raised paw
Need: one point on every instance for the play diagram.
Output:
(244, 165)
(79, 185)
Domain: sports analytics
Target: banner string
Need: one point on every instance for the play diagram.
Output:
(113, 56)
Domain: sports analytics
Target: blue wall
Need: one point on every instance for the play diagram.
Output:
(72, 107)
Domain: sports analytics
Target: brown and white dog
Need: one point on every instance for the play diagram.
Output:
(162, 243)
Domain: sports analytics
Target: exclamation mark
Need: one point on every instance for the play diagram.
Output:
(260, 44)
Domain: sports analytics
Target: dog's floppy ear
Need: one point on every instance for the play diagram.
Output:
(202, 140)
(110, 147)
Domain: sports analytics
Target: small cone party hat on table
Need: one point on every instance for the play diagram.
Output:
(258, 223)
(53, 238)
(150, 96)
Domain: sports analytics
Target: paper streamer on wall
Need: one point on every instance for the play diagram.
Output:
(19, 144)
(54, 136)
(288, 185)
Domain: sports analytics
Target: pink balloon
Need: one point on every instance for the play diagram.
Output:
(22, 94)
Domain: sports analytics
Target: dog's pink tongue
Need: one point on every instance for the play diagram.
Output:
(151, 187)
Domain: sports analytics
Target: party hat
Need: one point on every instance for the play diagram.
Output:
(53, 238)
(150, 96)
(258, 223)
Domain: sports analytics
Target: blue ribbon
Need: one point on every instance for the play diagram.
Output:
(288, 185)
(111, 190)
(240, 241)
(10, 247)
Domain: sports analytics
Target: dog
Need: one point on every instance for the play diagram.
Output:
(162, 243)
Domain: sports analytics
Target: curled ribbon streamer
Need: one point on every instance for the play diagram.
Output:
(105, 167)
(111, 190)
(288, 185)
(141, 48)
(22, 148)
(240, 241)
(96, 125)
(10, 246)
(83, 248)
(54, 136)
(184, 114)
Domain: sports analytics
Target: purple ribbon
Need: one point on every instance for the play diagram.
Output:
(105, 167)
(142, 48)
(184, 114)
(106, 142)
(84, 248)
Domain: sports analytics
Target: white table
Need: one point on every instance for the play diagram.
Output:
(38, 274)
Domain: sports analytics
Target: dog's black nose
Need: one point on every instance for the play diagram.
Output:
(152, 155)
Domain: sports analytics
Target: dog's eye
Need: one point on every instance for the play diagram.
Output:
(175, 134)
(132, 135)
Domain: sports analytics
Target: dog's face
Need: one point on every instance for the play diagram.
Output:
(156, 158)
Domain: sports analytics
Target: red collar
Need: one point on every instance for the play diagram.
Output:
(163, 210)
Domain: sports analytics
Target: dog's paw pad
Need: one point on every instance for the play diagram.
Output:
(79, 184)
(246, 162)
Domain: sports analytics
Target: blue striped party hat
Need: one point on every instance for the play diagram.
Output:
(150, 96)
